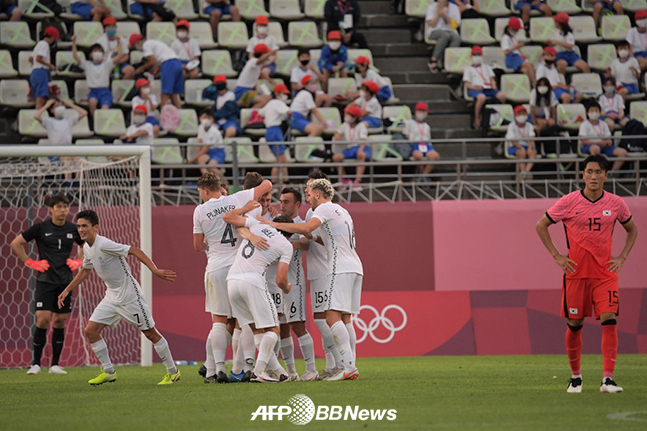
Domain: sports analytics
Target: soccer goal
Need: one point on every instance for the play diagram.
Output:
(113, 180)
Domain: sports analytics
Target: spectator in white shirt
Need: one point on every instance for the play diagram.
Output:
(303, 105)
(97, 76)
(305, 68)
(187, 49)
(419, 131)
(149, 100)
(275, 112)
(548, 70)
(543, 105)
(371, 108)
(564, 44)
(443, 18)
(139, 132)
(212, 152)
(116, 48)
(520, 134)
(41, 62)
(480, 81)
(90, 10)
(596, 137)
(514, 58)
(263, 36)
(612, 105)
(364, 73)
(248, 78)
(625, 69)
(637, 38)
(355, 132)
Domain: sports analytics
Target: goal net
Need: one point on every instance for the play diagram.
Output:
(115, 182)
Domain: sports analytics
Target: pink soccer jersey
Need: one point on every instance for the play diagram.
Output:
(589, 229)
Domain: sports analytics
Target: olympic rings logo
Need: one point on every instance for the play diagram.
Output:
(380, 319)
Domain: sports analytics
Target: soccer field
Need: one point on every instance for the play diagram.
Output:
(468, 392)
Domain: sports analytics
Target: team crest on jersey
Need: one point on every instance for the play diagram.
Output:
(70, 236)
(572, 310)
(606, 213)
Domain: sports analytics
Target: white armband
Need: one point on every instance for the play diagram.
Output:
(248, 222)
(314, 237)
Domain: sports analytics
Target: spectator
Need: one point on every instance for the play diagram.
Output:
(468, 10)
(543, 105)
(608, 5)
(519, 135)
(354, 132)
(443, 18)
(274, 113)
(139, 132)
(596, 137)
(364, 73)
(637, 38)
(371, 108)
(42, 64)
(333, 59)
(564, 43)
(224, 107)
(612, 105)
(217, 9)
(58, 126)
(564, 92)
(418, 130)
(526, 6)
(97, 75)
(187, 49)
(344, 16)
(303, 105)
(480, 81)
(116, 48)
(626, 70)
(157, 52)
(9, 8)
(212, 152)
(90, 10)
(149, 100)
(305, 68)
(248, 78)
(151, 10)
(514, 58)
(263, 37)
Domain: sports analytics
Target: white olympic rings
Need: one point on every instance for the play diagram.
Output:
(380, 319)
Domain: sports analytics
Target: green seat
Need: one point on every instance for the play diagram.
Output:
(244, 147)
(314, 8)
(251, 9)
(81, 92)
(638, 111)
(382, 149)
(193, 92)
(32, 9)
(109, 122)
(188, 125)
(516, 86)
(476, 32)
(217, 62)
(398, 115)
(584, 29)
(303, 152)
(542, 29)
(164, 155)
(28, 125)
(201, 32)
(494, 8)
(6, 66)
(87, 33)
(183, 9)
(15, 34)
(286, 60)
(633, 5)
(66, 58)
(571, 116)
(120, 89)
(286, 9)
(457, 60)
(329, 114)
(600, 56)
(116, 9)
(589, 84)
(505, 114)
(245, 116)
(233, 35)
(615, 27)
(417, 8)
(15, 93)
(566, 6)
(162, 31)
(304, 34)
(341, 86)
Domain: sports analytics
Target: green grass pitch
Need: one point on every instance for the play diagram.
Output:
(430, 393)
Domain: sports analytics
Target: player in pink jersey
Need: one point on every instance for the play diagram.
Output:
(590, 272)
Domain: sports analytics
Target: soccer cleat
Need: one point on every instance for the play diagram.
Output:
(342, 375)
(203, 370)
(236, 378)
(33, 370)
(608, 385)
(169, 378)
(278, 376)
(575, 385)
(323, 375)
(293, 377)
(55, 369)
(263, 378)
(222, 378)
(103, 378)
(246, 377)
(334, 372)
(309, 376)
(210, 379)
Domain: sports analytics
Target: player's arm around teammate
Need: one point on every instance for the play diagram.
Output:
(236, 218)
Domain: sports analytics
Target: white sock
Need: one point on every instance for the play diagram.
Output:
(308, 351)
(236, 348)
(210, 363)
(163, 351)
(343, 343)
(265, 343)
(100, 349)
(328, 341)
(248, 346)
(220, 339)
(287, 352)
(352, 337)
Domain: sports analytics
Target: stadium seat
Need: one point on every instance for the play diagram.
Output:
(217, 62)
(417, 8)
(233, 35)
(68, 16)
(82, 128)
(61, 44)
(162, 31)
(494, 8)
(62, 85)
(30, 10)
(183, 9)
(633, 5)
(24, 66)
(286, 60)
(303, 152)
(571, 116)
(94, 159)
(6, 66)
(266, 87)
(15, 35)
(120, 89)
(499, 27)
(286, 9)
(505, 115)
(600, 56)
(245, 116)
(251, 9)
(81, 92)
(192, 149)
(126, 28)
(15, 93)
(201, 31)
(457, 60)
(589, 84)
(615, 27)
(165, 155)
(188, 123)
(314, 9)
(304, 34)
(330, 114)
(428, 41)
(393, 100)
(65, 58)
(28, 125)
(584, 29)
(542, 29)
(398, 115)
(533, 53)
(109, 122)
(156, 89)
(381, 149)
(516, 86)
(265, 154)
(341, 86)
(193, 92)
(493, 57)
(638, 111)
(87, 33)
(476, 32)
(315, 54)
(244, 150)
(136, 56)
(276, 30)
(116, 9)
(566, 6)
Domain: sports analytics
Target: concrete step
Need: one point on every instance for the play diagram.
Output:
(399, 64)
(437, 106)
(443, 122)
(417, 77)
(451, 150)
(422, 92)
(455, 133)
(400, 50)
(388, 36)
(375, 7)
(390, 21)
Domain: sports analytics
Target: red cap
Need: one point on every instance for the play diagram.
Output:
(363, 60)
(422, 106)
(519, 108)
(334, 35)
(219, 78)
(561, 18)
(109, 21)
(141, 108)
(183, 23)
(477, 50)
(305, 79)
(641, 14)
(134, 38)
(282, 88)
(550, 50)
(141, 82)
(261, 48)
(354, 110)
(262, 20)
(514, 23)
(372, 86)
(52, 32)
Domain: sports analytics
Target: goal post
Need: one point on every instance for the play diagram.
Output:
(116, 180)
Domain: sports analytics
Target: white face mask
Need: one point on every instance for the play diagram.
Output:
(311, 87)
(641, 23)
(609, 89)
(97, 56)
(206, 123)
(283, 97)
(623, 53)
(182, 34)
(59, 111)
(594, 116)
(477, 60)
(542, 90)
(139, 119)
(362, 93)
(521, 118)
(420, 116)
(334, 45)
(349, 119)
(146, 91)
(262, 30)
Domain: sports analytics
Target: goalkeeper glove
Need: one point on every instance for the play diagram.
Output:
(37, 265)
(74, 264)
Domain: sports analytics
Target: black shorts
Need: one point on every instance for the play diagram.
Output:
(46, 298)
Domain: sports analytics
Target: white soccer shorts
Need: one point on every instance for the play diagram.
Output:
(319, 294)
(344, 292)
(216, 296)
(277, 296)
(251, 304)
(294, 304)
(136, 313)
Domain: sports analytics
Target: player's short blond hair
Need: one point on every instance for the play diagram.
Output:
(209, 181)
(324, 186)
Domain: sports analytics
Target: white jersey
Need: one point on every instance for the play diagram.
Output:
(371, 106)
(317, 255)
(223, 239)
(186, 50)
(296, 275)
(97, 75)
(108, 259)
(371, 75)
(637, 40)
(160, 51)
(339, 239)
(113, 47)
(42, 48)
(251, 264)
